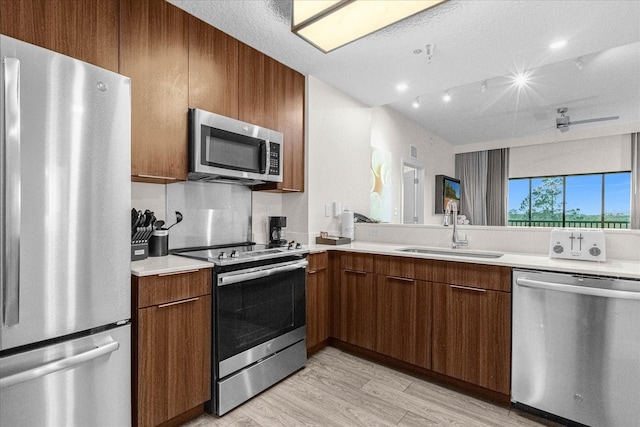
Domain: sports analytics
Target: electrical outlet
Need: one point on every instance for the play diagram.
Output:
(327, 209)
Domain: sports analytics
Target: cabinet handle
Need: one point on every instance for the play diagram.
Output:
(178, 302)
(157, 177)
(312, 271)
(355, 272)
(400, 279)
(466, 288)
(173, 273)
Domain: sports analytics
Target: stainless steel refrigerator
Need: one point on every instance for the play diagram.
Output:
(65, 294)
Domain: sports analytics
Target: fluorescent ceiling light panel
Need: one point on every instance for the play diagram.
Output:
(329, 25)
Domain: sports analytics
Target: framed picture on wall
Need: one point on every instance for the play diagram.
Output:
(447, 188)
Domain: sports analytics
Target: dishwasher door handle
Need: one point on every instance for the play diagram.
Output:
(582, 290)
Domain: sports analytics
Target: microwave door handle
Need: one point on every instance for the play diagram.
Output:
(263, 157)
(12, 194)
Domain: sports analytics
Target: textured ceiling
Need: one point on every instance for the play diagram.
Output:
(474, 41)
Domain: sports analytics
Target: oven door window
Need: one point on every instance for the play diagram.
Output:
(233, 151)
(253, 312)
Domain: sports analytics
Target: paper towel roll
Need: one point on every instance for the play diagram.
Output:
(347, 225)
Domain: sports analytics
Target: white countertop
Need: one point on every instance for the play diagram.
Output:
(611, 268)
(166, 264)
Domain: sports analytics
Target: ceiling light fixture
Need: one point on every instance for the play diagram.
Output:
(401, 87)
(558, 44)
(330, 24)
(429, 51)
(521, 79)
(579, 63)
(483, 86)
(447, 96)
(416, 103)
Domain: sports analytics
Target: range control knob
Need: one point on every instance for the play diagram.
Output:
(558, 249)
(223, 255)
(291, 245)
(298, 246)
(234, 254)
(595, 251)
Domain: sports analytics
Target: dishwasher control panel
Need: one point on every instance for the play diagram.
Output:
(577, 243)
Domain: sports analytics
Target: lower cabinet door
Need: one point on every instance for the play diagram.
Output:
(357, 308)
(317, 307)
(174, 366)
(472, 335)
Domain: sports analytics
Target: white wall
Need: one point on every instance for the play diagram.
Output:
(394, 133)
(594, 155)
(339, 152)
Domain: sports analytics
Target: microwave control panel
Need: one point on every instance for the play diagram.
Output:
(274, 158)
(577, 243)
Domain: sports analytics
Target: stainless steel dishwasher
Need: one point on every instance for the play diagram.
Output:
(576, 347)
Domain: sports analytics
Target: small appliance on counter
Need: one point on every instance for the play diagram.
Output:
(583, 244)
(276, 224)
(347, 226)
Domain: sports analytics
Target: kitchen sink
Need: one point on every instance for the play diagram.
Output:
(452, 252)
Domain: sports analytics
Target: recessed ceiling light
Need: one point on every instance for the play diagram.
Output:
(447, 96)
(401, 87)
(416, 103)
(521, 80)
(558, 44)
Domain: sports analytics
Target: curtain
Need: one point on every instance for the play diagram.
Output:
(497, 187)
(484, 181)
(635, 180)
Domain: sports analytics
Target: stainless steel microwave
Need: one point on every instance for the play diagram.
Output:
(222, 148)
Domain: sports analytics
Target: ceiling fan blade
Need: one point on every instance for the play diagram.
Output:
(599, 119)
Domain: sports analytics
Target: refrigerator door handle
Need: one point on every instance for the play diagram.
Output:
(58, 365)
(12, 200)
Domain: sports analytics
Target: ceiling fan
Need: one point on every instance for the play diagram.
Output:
(563, 122)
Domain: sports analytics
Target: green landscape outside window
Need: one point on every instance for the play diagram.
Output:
(601, 200)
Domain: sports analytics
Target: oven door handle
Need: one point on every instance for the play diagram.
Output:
(243, 277)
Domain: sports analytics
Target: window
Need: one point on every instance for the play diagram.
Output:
(601, 200)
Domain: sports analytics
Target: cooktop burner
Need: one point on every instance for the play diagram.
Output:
(240, 253)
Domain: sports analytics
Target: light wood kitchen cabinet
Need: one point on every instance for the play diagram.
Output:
(213, 69)
(85, 30)
(472, 335)
(171, 346)
(154, 53)
(318, 308)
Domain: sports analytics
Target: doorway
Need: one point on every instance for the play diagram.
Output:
(412, 192)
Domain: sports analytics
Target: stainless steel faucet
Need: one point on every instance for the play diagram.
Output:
(455, 241)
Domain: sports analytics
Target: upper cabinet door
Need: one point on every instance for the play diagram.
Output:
(258, 100)
(85, 30)
(154, 53)
(213, 69)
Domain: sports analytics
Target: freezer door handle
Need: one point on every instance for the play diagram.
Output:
(12, 200)
(58, 365)
(583, 290)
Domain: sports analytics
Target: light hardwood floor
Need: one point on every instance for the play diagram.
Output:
(339, 389)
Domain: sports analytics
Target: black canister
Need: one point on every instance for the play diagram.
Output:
(159, 243)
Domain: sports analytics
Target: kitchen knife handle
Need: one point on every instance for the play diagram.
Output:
(12, 200)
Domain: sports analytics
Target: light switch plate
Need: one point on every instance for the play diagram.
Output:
(583, 244)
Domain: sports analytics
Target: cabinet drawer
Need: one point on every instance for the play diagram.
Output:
(161, 289)
(317, 261)
(394, 266)
(493, 277)
(356, 262)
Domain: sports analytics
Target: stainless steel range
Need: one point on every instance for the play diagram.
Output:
(258, 324)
